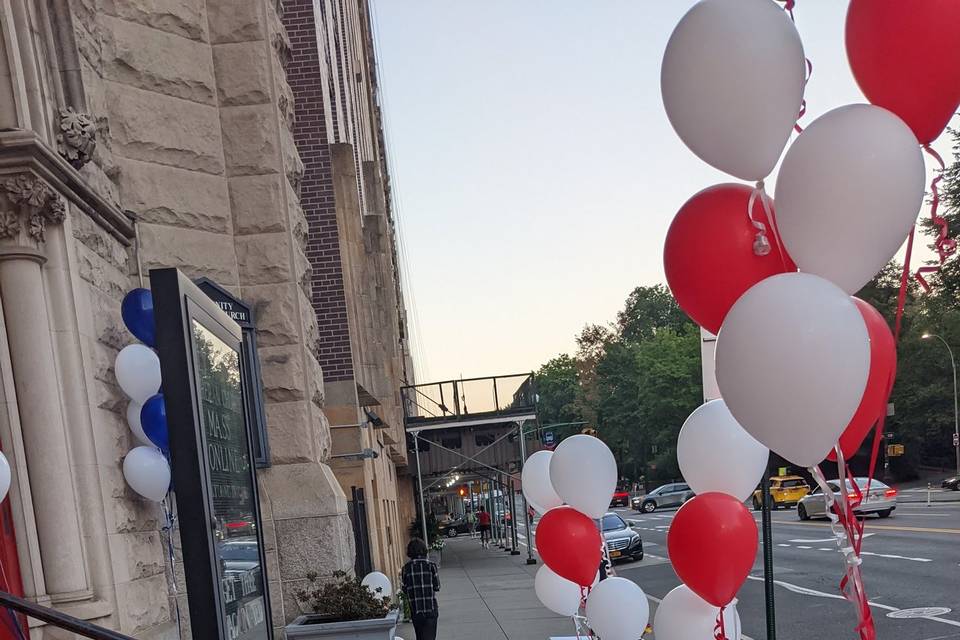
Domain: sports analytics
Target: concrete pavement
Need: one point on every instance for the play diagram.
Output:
(487, 594)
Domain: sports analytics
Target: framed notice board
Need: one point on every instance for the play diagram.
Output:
(212, 456)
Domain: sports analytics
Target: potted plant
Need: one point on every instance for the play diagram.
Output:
(436, 551)
(342, 609)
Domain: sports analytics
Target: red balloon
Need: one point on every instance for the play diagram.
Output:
(712, 544)
(905, 58)
(883, 370)
(708, 255)
(570, 544)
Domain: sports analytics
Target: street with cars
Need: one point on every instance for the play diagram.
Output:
(911, 566)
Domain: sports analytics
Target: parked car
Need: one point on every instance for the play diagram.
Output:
(454, 528)
(882, 499)
(669, 495)
(622, 541)
(621, 498)
(785, 491)
(952, 484)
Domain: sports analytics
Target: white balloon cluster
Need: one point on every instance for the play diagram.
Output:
(145, 468)
(582, 473)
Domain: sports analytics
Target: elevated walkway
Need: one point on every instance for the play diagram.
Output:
(469, 402)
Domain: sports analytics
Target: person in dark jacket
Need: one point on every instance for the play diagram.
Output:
(420, 583)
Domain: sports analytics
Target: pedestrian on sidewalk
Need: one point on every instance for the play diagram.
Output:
(472, 522)
(483, 523)
(420, 583)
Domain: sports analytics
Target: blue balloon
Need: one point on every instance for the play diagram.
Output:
(153, 419)
(137, 312)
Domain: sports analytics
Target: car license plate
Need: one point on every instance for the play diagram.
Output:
(614, 554)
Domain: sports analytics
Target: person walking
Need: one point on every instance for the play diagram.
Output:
(472, 522)
(483, 524)
(420, 584)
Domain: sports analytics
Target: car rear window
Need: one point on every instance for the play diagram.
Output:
(790, 484)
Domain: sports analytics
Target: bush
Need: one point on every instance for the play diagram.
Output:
(343, 600)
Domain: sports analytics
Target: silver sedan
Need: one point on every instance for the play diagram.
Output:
(882, 499)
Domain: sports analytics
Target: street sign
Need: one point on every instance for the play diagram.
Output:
(888, 435)
(548, 438)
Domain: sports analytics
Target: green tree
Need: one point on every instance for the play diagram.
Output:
(557, 386)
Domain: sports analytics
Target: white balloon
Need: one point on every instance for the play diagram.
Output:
(535, 481)
(376, 580)
(147, 472)
(793, 356)
(716, 454)
(732, 82)
(5, 477)
(617, 609)
(556, 593)
(137, 369)
(583, 472)
(683, 615)
(848, 193)
(133, 420)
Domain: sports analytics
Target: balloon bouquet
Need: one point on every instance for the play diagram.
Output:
(571, 487)
(803, 368)
(137, 369)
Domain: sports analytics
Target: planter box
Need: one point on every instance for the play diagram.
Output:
(312, 626)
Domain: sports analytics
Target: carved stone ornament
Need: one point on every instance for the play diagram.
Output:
(77, 138)
(31, 200)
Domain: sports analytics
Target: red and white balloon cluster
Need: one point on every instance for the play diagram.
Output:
(572, 488)
(803, 368)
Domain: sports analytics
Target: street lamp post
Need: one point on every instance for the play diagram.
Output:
(956, 413)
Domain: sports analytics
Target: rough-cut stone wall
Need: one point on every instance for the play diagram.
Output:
(195, 119)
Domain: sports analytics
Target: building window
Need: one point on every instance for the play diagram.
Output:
(484, 439)
(451, 441)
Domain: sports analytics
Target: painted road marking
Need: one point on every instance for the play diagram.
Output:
(919, 612)
(820, 594)
(862, 553)
(881, 527)
(866, 535)
(893, 557)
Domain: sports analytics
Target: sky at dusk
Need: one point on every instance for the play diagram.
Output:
(534, 170)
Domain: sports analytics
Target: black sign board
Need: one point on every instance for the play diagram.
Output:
(242, 313)
(205, 390)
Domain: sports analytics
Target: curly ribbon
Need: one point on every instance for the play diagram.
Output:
(762, 244)
(944, 245)
(720, 630)
(169, 522)
(848, 531)
(788, 7)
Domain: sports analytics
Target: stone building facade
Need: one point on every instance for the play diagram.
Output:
(355, 285)
(137, 134)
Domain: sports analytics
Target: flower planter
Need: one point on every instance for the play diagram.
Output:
(314, 626)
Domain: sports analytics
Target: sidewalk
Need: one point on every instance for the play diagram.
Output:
(487, 594)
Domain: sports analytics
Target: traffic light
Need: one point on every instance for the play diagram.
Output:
(589, 431)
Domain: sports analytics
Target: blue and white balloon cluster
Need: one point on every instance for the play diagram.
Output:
(137, 368)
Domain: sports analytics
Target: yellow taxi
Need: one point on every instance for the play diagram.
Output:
(785, 491)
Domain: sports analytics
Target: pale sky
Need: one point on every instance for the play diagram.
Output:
(535, 171)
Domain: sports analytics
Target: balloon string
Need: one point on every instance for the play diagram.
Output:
(803, 102)
(944, 245)
(720, 631)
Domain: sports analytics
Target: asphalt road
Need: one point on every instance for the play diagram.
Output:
(911, 561)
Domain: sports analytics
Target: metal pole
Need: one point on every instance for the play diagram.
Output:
(473, 511)
(423, 510)
(502, 507)
(526, 508)
(768, 556)
(513, 520)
